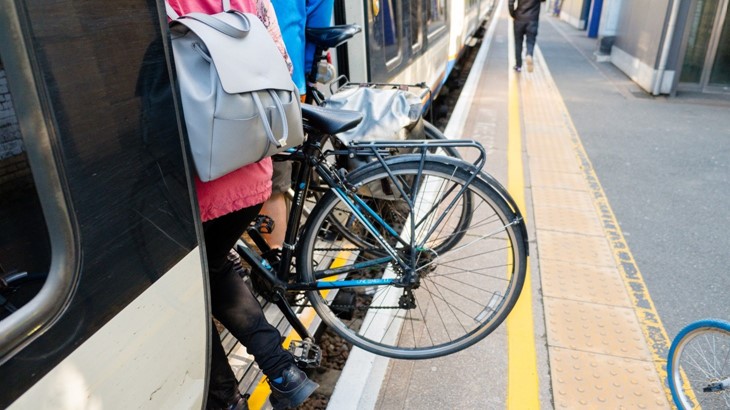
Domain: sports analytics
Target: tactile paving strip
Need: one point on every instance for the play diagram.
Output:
(595, 328)
(584, 283)
(562, 180)
(571, 247)
(568, 219)
(599, 358)
(584, 380)
(562, 198)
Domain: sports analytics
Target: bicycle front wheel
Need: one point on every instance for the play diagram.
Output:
(698, 365)
(464, 245)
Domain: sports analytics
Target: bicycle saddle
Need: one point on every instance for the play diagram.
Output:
(330, 121)
(328, 37)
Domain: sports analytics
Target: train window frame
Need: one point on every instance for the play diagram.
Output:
(30, 103)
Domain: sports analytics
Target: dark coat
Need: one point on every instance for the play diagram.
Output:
(527, 10)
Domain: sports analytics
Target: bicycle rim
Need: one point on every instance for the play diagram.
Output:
(698, 366)
(471, 269)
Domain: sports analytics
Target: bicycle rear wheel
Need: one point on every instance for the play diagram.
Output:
(698, 365)
(470, 270)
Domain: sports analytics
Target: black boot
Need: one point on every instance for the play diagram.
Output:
(294, 387)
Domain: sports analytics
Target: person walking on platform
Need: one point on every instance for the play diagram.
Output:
(526, 16)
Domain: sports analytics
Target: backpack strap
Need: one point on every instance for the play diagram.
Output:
(222, 26)
(213, 22)
(171, 13)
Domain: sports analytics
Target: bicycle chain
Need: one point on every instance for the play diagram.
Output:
(346, 249)
(347, 306)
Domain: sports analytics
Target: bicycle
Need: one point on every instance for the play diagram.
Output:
(434, 276)
(698, 365)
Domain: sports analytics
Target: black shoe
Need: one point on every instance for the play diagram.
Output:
(293, 390)
(517, 68)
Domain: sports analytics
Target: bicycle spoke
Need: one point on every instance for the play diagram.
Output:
(453, 283)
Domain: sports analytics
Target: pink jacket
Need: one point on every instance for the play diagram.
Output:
(250, 185)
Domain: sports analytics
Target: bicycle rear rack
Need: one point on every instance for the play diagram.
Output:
(381, 149)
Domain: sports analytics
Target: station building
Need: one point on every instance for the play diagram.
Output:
(665, 46)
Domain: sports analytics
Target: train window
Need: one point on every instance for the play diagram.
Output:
(37, 255)
(391, 36)
(416, 23)
(436, 16)
(25, 251)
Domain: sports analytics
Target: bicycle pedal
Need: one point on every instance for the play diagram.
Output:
(263, 224)
(306, 354)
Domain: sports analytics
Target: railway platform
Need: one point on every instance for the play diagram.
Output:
(585, 333)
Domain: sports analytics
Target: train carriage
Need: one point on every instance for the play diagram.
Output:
(409, 41)
(103, 292)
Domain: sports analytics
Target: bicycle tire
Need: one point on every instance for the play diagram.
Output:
(706, 373)
(472, 299)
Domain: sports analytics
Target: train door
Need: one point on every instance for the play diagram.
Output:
(102, 295)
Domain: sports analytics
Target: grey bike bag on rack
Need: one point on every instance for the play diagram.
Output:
(239, 101)
(387, 113)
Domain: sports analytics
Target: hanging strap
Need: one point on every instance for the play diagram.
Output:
(171, 13)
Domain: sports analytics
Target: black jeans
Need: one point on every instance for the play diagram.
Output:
(525, 30)
(237, 309)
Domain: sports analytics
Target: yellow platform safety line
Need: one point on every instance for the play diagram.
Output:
(523, 390)
(261, 393)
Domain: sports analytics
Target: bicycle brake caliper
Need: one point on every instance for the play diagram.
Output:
(306, 354)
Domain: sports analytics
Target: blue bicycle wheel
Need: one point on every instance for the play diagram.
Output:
(698, 365)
